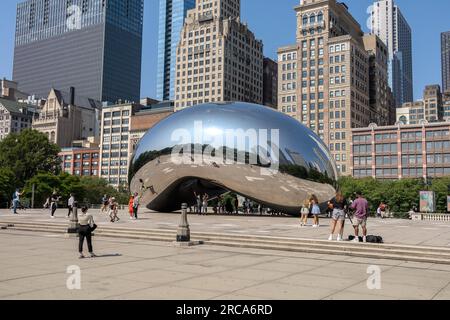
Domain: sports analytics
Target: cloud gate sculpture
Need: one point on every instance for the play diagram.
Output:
(248, 149)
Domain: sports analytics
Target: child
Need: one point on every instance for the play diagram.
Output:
(130, 207)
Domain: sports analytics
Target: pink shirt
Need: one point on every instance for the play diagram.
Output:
(361, 207)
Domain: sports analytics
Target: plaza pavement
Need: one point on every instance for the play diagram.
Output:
(34, 265)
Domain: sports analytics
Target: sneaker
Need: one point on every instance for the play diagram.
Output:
(93, 255)
(82, 256)
(339, 238)
(131, 218)
(356, 239)
(53, 217)
(364, 239)
(330, 238)
(315, 226)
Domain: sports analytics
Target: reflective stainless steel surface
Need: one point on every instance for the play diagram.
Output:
(281, 161)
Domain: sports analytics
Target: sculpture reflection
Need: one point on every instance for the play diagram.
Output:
(249, 149)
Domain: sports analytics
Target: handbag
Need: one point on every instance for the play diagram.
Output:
(91, 229)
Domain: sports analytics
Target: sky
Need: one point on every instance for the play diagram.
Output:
(274, 22)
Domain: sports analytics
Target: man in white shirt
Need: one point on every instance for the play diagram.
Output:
(70, 204)
(16, 200)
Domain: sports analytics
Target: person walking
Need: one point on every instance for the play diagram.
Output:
(113, 208)
(338, 205)
(315, 210)
(105, 203)
(136, 205)
(70, 204)
(305, 211)
(16, 200)
(130, 206)
(85, 229)
(361, 207)
(54, 204)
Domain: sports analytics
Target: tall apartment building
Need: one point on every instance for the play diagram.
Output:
(446, 105)
(270, 83)
(445, 60)
(15, 117)
(171, 20)
(122, 127)
(389, 24)
(218, 57)
(430, 108)
(92, 45)
(401, 151)
(380, 100)
(324, 79)
(66, 117)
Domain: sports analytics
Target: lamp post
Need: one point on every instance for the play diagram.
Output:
(73, 224)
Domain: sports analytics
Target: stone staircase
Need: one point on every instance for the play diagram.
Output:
(423, 254)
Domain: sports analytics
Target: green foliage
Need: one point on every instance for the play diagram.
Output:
(28, 153)
(399, 195)
(6, 186)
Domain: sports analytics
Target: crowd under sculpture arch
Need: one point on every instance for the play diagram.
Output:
(249, 149)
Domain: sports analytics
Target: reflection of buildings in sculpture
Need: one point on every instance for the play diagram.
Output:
(15, 116)
(66, 117)
(296, 158)
(279, 189)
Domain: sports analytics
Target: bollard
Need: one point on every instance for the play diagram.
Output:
(73, 224)
(183, 232)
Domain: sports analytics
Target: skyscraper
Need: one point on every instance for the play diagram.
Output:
(334, 78)
(171, 20)
(445, 53)
(390, 25)
(218, 57)
(92, 45)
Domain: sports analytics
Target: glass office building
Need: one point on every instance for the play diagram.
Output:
(171, 20)
(92, 45)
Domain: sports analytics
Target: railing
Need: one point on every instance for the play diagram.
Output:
(436, 216)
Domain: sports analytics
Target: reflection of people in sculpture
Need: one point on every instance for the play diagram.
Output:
(144, 188)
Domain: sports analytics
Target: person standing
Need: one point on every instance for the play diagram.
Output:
(361, 207)
(236, 205)
(87, 225)
(136, 205)
(198, 199)
(205, 203)
(16, 200)
(315, 210)
(54, 204)
(130, 206)
(338, 205)
(70, 204)
(305, 211)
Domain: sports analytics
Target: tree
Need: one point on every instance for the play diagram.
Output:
(45, 184)
(6, 186)
(28, 153)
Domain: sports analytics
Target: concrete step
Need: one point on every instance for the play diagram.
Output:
(408, 253)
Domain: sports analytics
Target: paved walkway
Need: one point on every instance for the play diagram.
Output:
(34, 266)
(393, 231)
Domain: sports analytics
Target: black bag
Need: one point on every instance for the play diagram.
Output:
(91, 229)
(351, 238)
(374, 239)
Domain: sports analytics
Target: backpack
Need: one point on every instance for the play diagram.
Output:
(374, 239)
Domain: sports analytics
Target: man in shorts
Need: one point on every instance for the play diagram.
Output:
(361, 207)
